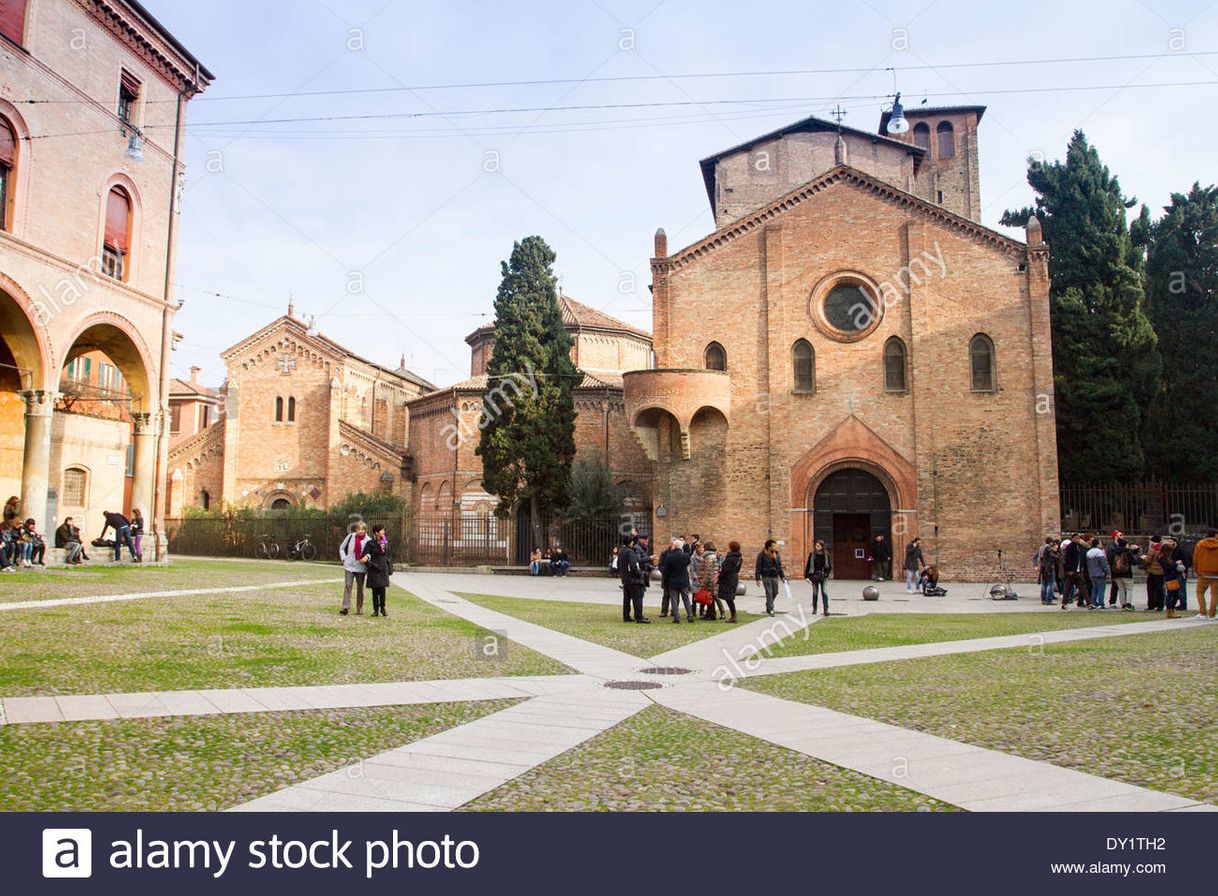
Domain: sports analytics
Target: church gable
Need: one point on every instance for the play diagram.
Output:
(283, 345)
(841, 177)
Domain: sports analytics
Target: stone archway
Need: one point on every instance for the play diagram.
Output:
(108, 414)
(853, 445)
(25, 403)
(850, 506)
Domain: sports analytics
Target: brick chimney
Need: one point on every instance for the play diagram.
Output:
(194, 375)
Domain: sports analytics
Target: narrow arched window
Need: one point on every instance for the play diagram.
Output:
(803, 360)
(292, 409)
(947, 140)
(116, 241)
(982, 368)
(716, 357)
(8, 173)
(895, 364)
(922, 135)
(278, 410)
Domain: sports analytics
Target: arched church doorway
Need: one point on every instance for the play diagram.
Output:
(851, 507)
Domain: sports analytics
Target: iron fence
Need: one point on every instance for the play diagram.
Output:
(1147, 506)
(432, 539)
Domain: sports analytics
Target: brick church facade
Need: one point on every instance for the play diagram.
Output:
(306, 422)
(851, 352)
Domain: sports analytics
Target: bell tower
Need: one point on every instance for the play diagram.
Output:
(948, 173)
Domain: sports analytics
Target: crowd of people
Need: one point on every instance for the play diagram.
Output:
(1078, 569)
(695, 579)
(22, 546)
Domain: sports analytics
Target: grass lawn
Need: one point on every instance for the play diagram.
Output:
(87, 581)
(836, 634)
(661, 760)
(289, 636)
(1141, 709)
(203, 763)
(602, 623)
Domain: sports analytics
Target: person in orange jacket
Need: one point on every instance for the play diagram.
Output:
(1205, 562)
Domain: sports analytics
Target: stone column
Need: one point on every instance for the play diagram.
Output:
(36, 468)
(144, 436)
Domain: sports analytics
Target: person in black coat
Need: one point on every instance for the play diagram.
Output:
(674, 568)
(914, 563)
(816, 572)
(380, 567)
(881, 559)
(634, 561)
(729, 576)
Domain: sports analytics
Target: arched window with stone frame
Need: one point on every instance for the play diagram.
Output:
(803, 363)
(715, 357)
(896, 366)
(983, 370)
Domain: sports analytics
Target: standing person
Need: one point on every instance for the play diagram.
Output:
(1097, 571)
(1174, 577)
(692, 544)
(881, 559)
(816, 571)
(665, 589)
(137, 534)
(1205, 562)
(1122, 557)
(122, 533)
(36, 546)
(1156, 596)
(1048, 559)
(1074, 564)
(729, 577)
(769, 573)
(67, 536)
(635, 566)
(1182, 560)
(703, 611)
(914, 563)
(613, 562)
(351, 552)
(708, 579)
(674, 567)
(380, 567)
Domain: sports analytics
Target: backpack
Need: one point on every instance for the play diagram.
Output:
(1120, 562)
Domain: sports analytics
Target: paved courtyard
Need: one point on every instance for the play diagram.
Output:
(245, 690)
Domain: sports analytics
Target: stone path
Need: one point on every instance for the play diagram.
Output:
(223, 701)
(143, 595)
(447, 770)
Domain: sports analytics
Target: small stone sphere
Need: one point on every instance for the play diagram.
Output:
(871, 593)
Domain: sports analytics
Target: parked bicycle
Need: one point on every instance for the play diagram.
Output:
(303, 550)
(267, 549)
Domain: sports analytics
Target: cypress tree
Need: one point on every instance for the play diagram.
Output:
(527, 441)
(1105, 355)
(1181, 433)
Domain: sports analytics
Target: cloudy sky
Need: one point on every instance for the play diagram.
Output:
(388, 220)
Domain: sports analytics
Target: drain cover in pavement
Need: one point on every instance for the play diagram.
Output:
(633, 685)
(665, 670)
